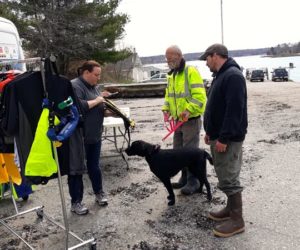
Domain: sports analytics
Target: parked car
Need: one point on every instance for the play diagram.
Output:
(257, 75)
(160, 77)
(280, 74)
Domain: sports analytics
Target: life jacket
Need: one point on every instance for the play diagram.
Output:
(40, 161)
(9, 170)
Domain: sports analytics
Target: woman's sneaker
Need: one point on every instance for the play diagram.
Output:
(79, 209)
(101, 199)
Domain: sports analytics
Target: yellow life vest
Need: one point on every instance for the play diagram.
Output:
(40, 161)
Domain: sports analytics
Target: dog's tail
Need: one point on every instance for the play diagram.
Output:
(209, 158)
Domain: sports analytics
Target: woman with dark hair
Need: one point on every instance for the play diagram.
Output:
(92, 108)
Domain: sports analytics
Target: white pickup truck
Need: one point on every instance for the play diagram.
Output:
(159, 77)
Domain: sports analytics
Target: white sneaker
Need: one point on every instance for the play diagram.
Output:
(79, 209)
(101, 199)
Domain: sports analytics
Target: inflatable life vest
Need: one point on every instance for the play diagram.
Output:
(67, 124)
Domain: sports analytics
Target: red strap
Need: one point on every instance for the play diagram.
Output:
(173, 127)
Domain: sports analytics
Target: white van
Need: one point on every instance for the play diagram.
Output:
(10, 44)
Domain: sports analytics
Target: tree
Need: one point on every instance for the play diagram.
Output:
(70, 29)
(284, 49)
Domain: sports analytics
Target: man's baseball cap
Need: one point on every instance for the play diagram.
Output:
(217, 48)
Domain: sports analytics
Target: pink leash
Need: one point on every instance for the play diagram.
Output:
(173, 126)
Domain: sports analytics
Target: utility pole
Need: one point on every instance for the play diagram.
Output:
(222, 34)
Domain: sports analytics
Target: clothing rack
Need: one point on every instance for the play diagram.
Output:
(39, 209)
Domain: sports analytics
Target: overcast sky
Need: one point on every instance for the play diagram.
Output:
(195, 24)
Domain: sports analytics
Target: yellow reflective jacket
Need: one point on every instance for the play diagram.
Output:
(185, 91)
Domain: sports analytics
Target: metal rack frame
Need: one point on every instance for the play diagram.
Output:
(39, 209)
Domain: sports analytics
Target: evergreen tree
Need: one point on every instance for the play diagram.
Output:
(70, 29)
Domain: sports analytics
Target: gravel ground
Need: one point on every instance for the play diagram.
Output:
(138, 217)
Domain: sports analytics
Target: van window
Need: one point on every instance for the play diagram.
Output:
(8, 46)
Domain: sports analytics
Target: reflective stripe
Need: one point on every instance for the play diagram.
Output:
(195, 101)
(169, 80)
(181, 95)
(197, 85)
(186, 82)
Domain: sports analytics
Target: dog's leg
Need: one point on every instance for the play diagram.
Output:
(202, 176)
(201, 185)
(206, 183)
(171, 196)
(208, 190)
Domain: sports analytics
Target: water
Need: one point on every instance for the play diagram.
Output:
(252, 62)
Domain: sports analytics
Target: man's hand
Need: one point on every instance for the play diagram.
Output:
(105, 93)
(185, 115)
(220, 147)
(99, 99)
(166, 116)
(206, 139)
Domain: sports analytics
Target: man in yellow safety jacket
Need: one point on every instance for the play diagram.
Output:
(185, 100)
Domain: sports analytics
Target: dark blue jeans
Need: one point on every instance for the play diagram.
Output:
(92, 152)
(75, 188)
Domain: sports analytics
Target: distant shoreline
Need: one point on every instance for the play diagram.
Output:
(283, 55)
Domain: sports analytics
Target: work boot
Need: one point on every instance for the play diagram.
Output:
(182, 180)
(236, 222)
(79, 208)
(221, 215)
(192, 185)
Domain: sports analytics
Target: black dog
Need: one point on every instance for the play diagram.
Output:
(166, 163)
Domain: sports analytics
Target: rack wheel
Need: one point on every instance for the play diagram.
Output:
(40, 213)
(25, 198)
(93, 246)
